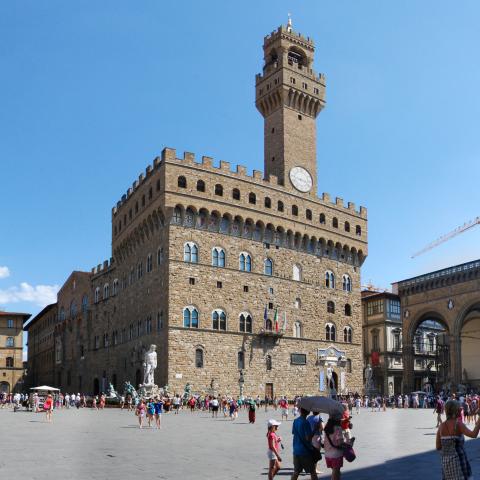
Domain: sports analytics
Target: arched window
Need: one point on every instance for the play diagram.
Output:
(268, 202)
(84, 304)
(252, 198)
(236, 194)
(308, 214)
(149, 263)
(190, 252)
(329, 279)
(190, 317)
(268, 362)
(115, 287)
(330, 307)
(218, 190)
(346, 283)
(297, 273)
(9, 362)
(330, 332)
(73, 309)
(97, 298)
(182, 182)
(348, 310)
(245, 322)
(241, 360)
(297, 330)
(199, 358)
(177, 216)
(10, 342)
(335, 222)
(219, 320)
(159, 256)
(280, 206)
(200, 186)
(268, 267)
(106, 291)
(298, 303)
(245, 262)
(322, 219)
(347, 334)
(218, 257)
(294, 210)
(347, 227)
(358, 230)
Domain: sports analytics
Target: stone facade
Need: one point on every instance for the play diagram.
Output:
(450, 297)
(11, 351)
(195, 246)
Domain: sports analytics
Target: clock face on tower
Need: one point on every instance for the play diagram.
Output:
(301, 179)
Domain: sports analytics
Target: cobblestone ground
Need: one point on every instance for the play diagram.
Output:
(87, 444)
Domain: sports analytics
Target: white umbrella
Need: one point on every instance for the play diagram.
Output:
(322, 405)
(45, 388)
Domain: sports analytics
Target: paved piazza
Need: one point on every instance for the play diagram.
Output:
(86, 444)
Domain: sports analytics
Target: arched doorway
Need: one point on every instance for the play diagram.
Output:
(96, 386)
(335, 381)
(426, 354)
(4, 387)
(469, 368)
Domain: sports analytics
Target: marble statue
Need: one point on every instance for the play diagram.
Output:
(149, 366)
(368, 378)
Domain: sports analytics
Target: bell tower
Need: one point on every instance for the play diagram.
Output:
(290, 95)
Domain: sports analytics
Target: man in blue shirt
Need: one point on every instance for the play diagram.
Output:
(302, 447)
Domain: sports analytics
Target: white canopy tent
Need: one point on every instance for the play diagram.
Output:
(45, 388)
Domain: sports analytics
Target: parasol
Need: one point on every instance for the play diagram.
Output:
(322, 404)
(45, 388)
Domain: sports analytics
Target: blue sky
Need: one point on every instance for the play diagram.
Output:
(92, 91)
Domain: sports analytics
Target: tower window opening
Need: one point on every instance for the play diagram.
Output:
(295, 58)
(299, 117)
(273, 130)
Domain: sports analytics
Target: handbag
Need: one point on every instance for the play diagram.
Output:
(347, 450)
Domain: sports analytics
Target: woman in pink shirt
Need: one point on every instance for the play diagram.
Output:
(274, 442)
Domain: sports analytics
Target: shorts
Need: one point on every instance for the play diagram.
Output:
(271, 455)
(334, 462)
(285, 411)
(214, 408)
(301, 463)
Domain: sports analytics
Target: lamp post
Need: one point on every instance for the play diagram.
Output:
(241, 382)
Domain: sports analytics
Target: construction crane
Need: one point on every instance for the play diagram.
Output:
(448, 236)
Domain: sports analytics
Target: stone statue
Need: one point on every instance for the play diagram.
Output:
(187, 391)
(111, 393)
(331, 383)
(149, 365)
(128, 389)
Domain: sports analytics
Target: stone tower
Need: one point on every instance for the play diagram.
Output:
(290, 95)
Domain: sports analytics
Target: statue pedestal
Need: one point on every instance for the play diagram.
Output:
(149, 391)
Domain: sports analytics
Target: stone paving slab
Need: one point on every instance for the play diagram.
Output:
(85, 444)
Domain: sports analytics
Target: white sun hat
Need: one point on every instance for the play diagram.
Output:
(272, 422)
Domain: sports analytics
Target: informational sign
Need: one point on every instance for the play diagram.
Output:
(178, 375)
(322, 381)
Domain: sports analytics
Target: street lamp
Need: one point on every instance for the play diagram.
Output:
(241, 382)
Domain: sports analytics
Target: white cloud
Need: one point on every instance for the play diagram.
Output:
(40, 295)
(4, 272)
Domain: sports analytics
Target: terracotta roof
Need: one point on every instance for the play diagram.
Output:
(14, 314)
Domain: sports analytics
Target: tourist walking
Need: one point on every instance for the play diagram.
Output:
(251, 411)
(302, 448)
(140, 412)
(158, 411)
(439, 407)
(283, 404)
(450, 441)
(214, 404)
(332, 441)
(274, 441)
(48, 408)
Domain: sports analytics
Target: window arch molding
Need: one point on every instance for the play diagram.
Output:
(218, 257)
(330, 332)
(297, 272)
(346, 283)
(330, 306)
(106, 291)
(348, 334)
(190, 252)
(298, 329)
(329, 279)
(219, 319)
(268, 266)
(199, 356)
(96, 299)
(245, 322)
(191, 317)
(245, 262)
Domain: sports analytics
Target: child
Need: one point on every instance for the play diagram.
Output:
(274, 441)
(140, 412)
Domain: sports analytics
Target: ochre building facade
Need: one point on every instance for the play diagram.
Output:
(245, 283)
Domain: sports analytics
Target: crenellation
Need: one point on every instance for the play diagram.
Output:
(351, 206)
(225, 166)
(129, 192)
(156, 162)
(272, 179)
(326, 197)
(148, 171)
(241, 170)
(363, 212)
(141, 178)
(135, 185)
(169, 154)
(339, 202)
(207, 161)
(188, 157)
(257, 175)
